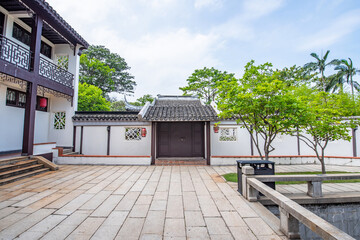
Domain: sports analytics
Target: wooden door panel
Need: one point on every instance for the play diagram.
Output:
(180, 139)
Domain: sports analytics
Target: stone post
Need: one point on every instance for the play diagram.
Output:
(248, 192)
(314, 189)
(288, 224)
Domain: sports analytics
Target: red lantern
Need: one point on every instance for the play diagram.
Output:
(216, 129)
(43, 102)
(143, 132)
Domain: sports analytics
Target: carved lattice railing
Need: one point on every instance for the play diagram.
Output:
(53, 72)
(14, 53)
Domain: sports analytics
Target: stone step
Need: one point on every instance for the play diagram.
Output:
(177, 162)
(13, 160)
(17, 165)
(24, 175)
(19, 171)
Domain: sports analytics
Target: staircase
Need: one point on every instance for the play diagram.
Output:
(17, 168)
(69, 151)
(180, 161)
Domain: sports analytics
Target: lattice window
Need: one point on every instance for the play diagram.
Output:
(132, 134)
(59, 120)
(63, 61)
(227, 134)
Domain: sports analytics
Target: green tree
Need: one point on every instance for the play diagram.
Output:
(320, 65)
(106, 70)
(263, 102)
(117, 106)
(91, 98)
(323, 120)
(141, 101)
(345, 74)
(203, 83)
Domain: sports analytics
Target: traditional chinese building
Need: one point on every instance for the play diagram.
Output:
(39, 68)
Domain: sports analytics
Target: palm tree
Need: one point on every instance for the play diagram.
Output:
(320, 66)
(346, 71)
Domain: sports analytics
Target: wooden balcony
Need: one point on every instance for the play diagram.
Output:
(15, 54)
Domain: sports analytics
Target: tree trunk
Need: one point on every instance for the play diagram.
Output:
(322, 161)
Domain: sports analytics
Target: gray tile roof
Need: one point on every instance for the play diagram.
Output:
(105, 117)
(179, 108)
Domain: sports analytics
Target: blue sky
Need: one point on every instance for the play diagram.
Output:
(164, 41)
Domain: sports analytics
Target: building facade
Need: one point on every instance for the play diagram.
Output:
(39, 69)
(179, 128)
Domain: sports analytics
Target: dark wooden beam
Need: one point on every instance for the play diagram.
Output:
(81, 138)
(153, 142)
(208, 144)
(108, 140)
(251, 143)
(31, 90)
(35, 44)
(11, 70)
(29, 120)
(354, 142)
(74, 138)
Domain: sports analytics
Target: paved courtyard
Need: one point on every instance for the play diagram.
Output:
(129, 202)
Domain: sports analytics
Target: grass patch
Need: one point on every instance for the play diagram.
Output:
(232, 177)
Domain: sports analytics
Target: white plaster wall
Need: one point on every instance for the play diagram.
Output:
(77, 140)
(41, 127)
(94, 140)
(120, 146)
(63, 137)
(229, 148)
(11, 124)
(284, 145)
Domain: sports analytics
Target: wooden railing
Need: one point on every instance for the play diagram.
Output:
(18, 55)
(291, 213)
(14, 53)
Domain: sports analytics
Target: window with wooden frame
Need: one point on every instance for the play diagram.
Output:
(15, 98)
(19, 33)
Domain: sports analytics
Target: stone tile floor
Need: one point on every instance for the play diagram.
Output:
(129, 202)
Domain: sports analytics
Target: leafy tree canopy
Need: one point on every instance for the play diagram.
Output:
(91, 98)
(106, 70)
(141, 101)
(263, 101)
(203, 83)
(324, 119)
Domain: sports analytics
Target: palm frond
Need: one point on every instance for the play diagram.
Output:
(314, 55)
(326, 55)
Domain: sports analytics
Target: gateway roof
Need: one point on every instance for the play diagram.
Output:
(178, 108)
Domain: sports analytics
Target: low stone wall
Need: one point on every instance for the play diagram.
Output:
(343, 216)
(331, 160)
(104, 160)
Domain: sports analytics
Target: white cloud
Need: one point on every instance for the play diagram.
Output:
(199, 4)
(333, 33)
(161, 63)
(254, 9)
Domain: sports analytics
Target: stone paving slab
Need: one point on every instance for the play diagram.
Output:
(133, 202)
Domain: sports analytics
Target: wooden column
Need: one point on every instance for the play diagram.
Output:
(74, 138)
(108, 140)
(251, 143)
(31, 91)
(208, 145)
(354, 142)
(153, 142)
(29, 120)
(81, 138)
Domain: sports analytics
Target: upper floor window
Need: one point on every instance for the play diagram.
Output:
(24, 36)
(15, 98)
